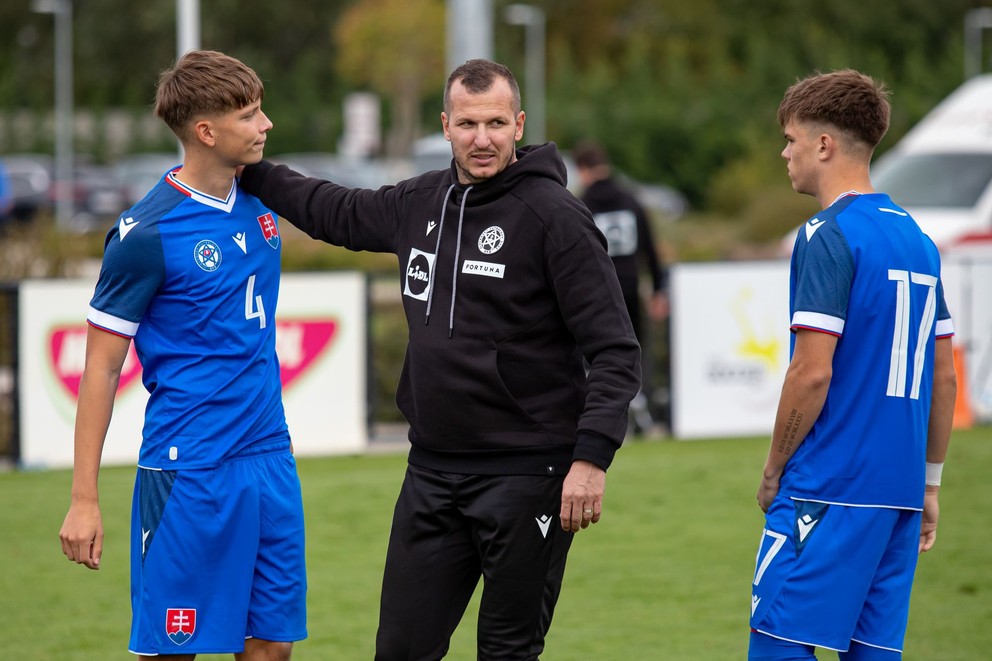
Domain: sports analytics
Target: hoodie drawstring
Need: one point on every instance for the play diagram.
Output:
(437, 249)
(458, 252)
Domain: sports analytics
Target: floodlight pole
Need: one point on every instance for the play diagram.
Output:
(187, 26)
(187, 35)
(469, 31)
(62, 11)
(975, 21)
(532, 18)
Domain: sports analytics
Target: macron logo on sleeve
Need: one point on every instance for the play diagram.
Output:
(811, 227)
(126, 225)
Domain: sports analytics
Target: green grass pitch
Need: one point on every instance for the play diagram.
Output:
(664, 575)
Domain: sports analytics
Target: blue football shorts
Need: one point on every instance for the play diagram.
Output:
(826, 575)
(217, 556)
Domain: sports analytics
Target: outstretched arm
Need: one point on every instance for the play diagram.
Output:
(353, 218)
(82, 531)
(939, 434)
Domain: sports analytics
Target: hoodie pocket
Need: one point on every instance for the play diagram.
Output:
(551, 392)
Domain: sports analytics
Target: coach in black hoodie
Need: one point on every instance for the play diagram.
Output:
(510, 298)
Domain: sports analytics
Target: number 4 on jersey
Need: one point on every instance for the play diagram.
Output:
(253, 304)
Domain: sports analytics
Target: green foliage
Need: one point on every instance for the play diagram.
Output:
(664, 575)
(389, 340)
(680, 93)
(117, 62)
(668, 85)
(396, 48)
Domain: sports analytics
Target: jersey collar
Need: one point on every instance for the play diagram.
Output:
(225, 204)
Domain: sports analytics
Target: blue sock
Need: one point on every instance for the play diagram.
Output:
(859, 652)
(766, 648)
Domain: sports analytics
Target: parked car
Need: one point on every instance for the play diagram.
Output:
(136, 174)
(6, 197)
(97, 198)
(433, 152)
(941, 170)
(350, 172)
(30, 177)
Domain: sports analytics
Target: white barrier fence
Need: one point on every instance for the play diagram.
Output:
(730, 341)
(321, 340)
(729, 348)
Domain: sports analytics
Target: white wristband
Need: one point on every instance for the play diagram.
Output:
(933, 474)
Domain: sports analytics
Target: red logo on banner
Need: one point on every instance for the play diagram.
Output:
(180, 624)
(298, 344)
(67, 351)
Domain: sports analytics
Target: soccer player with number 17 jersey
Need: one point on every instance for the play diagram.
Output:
(850, 485)
(191, 274)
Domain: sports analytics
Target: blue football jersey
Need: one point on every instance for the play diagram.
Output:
(864, 271)
(194, 280)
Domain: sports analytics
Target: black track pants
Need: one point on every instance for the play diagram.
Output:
(450, 529)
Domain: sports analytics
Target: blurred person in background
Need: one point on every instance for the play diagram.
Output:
(850, 485)
(507, 289)
(191, 274)
(627, 228)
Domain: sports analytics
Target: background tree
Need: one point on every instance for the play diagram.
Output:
(395, 48)
(682, 93)
(119, 51)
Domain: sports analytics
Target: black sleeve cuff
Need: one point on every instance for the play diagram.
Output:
(595, 448)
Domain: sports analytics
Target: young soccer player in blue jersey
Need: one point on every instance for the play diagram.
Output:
(852, 476)
(191, 274)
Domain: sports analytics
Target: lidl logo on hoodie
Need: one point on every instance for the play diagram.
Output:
(418, 274)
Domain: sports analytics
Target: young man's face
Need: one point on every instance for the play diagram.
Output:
(240, 134)
(483, 130)
(801, 152)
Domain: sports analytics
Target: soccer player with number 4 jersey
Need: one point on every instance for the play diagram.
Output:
(191, 274)
(850, 485)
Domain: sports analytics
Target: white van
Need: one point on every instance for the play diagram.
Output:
(941, 170)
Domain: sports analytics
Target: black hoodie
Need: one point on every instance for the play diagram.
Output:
(506, 287)
(607, 196)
